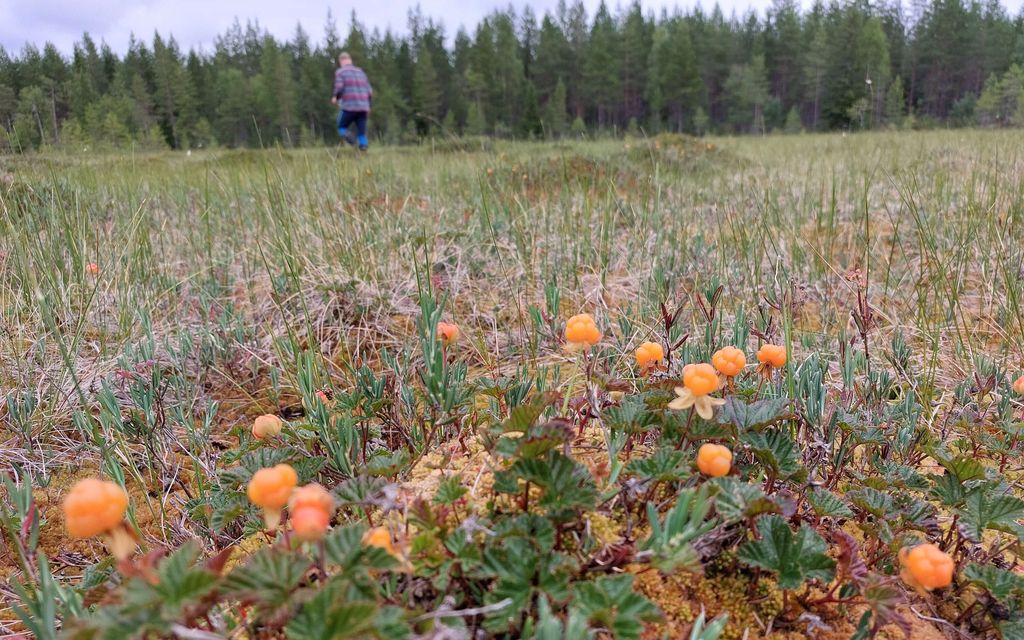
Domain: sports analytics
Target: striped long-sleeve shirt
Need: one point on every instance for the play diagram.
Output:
(352, 88)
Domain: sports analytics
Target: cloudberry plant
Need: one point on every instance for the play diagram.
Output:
(772, 355)
(700, 379)
(447, 332)
(310, 524)
(266, 426)
(649, 355)
(311, 508)
(714, 460)
(379, 537)
(926, 566)
(1018, 386)
(582, 330)
(96, 508)
(270, 489)
(729, 361)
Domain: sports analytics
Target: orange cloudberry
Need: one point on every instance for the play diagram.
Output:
(714, 460)
(94, 507)
(447, 332)
(310, 524)
(729, 361)
(311, 508)
(379, 537)
(270, 489)
(582, 330)
(266, 426)
(699, 380)
(926, 566)
(649, 355)
(772, 355)
(1018, 386)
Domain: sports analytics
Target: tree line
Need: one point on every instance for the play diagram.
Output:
(843, 65)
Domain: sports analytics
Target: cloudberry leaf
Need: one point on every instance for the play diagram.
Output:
(1000, 583)
(982, 511)
(268, 578)
(738, 500)
(755, 416)
(963, 468)
(795, 557)
(521, 418)
(872, 501)
(776, 450)
(664, 465)
(330, 614)
(360, 491)
(827, 504)
(344, 547)
(610, 603)
(884, 599)
(631, 416)
(566, 484)
(1012, 629)
(385, 465)
(450, 490)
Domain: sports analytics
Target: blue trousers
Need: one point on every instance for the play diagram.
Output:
(345, 121)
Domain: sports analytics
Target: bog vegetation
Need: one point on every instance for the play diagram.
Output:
(825, 66)
(645, 388)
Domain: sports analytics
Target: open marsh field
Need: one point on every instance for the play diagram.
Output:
(510, 478)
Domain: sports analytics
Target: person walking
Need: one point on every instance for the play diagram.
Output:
(353, 91)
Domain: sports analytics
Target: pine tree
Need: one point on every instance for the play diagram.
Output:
(602, 71)
(171, 89)
(555, 111)
(529, 124)
(476, 125)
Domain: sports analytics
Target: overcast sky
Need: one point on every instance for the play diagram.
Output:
(195, 23)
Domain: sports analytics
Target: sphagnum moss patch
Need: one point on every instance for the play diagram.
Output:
(468, 362)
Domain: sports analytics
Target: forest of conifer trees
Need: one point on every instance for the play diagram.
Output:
(848, 65)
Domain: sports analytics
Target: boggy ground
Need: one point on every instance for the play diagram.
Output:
(230, 284)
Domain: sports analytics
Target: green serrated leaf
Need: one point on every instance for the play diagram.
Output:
(1000, 583)
(948, 489)
(827, 504)
(450, 490)
(268, 578)
(755, 416)
(565, 483)
(521, 418)
(1000, 513)
(344, 547)
(329, 615)
(873, 501)
(385, 465)
(795, 557)
(630, 416)
(776, 450)
(963, 468)
(360, 491)
(664, 465)
(610, 603)
(737, 501)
